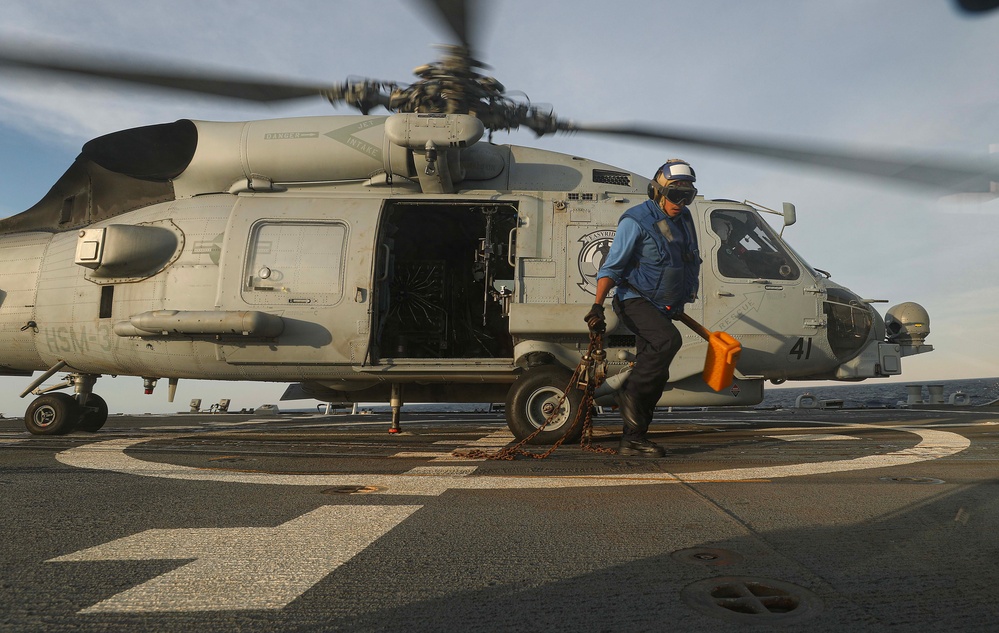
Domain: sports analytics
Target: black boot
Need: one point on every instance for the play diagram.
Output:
(640, 448)
(636, 424)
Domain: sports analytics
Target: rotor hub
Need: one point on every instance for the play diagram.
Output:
(451, 85)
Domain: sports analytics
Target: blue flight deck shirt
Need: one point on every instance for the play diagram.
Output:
(643, 262)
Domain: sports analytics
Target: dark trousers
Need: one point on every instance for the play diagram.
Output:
(657, 341)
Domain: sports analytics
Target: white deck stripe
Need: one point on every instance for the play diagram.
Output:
(243, 568)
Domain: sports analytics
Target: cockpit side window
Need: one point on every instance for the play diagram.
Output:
(749, 248)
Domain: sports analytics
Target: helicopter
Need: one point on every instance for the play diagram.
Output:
(380, 257)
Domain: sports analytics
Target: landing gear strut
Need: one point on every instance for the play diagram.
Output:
(395, 401)
(61, 413)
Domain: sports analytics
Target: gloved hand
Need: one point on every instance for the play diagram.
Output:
(595, 319)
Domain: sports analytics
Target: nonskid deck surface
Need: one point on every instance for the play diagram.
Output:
(825, 519)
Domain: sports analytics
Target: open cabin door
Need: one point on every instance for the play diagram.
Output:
(444, 288)
(309, 261)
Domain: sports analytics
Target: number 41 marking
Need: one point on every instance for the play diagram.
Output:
(802, 349)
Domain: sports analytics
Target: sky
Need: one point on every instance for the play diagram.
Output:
(913, 75)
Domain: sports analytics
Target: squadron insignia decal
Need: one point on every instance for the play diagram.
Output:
(596, 245)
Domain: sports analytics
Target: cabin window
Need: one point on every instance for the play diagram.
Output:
(749, 247)
(296, 263)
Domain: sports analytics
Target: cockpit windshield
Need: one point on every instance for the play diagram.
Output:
(801, 259)
(749, 247)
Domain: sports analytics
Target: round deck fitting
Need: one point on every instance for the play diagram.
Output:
(707, 556)
(752, 600)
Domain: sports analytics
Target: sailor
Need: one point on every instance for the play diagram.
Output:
(654, 264)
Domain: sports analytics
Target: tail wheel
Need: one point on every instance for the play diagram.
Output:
(535, 397)
(95, 414)
(52, 414)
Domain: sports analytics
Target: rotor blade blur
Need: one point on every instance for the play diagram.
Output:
(967, 176)
(251, 89)
(977, 6)
(458, 15)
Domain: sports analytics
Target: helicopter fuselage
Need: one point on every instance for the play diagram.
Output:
(326, 251)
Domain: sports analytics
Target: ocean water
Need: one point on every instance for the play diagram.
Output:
(874, 394)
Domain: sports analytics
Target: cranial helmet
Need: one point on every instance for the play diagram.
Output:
(674, 171)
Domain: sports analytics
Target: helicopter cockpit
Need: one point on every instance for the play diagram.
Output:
(750, 249)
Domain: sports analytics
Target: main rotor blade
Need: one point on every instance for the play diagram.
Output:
(251, 89)
(977, 6)
(459, 16)
(969, 176)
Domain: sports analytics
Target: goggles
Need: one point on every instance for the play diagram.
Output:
(679, 194)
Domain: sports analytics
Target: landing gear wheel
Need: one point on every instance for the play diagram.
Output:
(52, 414)
(535, 396)
(95, 414)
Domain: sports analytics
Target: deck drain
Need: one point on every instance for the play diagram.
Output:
(349, 490)
(752, 600)
(707, 556)
(913, 480)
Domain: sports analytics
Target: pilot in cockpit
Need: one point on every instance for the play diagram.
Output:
(730, 255)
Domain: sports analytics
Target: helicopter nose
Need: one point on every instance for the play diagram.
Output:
(850, 320)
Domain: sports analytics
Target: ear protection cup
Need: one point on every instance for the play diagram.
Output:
(655, 189)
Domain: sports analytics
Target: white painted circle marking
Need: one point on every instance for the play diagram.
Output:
(110, 456)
